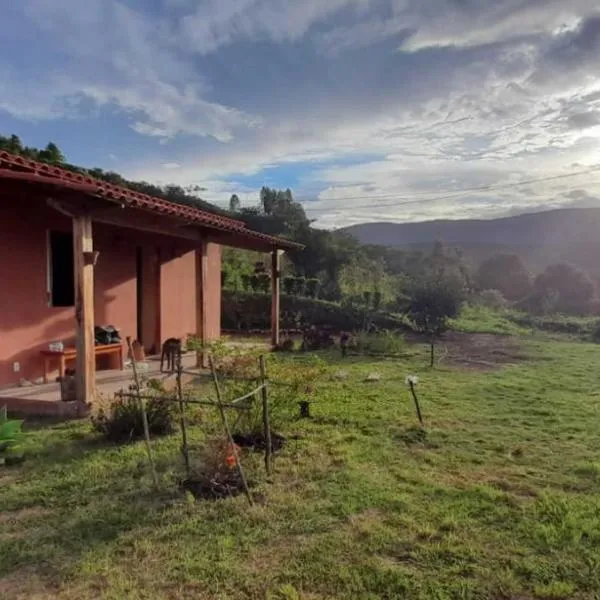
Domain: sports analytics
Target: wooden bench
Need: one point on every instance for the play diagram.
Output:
(70, 354)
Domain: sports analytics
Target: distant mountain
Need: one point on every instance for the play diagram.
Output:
(566, 235)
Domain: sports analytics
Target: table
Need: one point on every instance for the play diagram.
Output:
(70, 354)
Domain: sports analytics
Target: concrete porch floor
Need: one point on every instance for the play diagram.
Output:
(45, 398)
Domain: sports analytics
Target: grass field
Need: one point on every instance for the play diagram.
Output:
(499, 499)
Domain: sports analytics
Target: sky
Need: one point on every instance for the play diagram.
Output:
(369, 110)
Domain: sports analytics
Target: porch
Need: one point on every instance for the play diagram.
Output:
(45, 399)
(148, 266)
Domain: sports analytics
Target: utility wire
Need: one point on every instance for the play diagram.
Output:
(458, 193)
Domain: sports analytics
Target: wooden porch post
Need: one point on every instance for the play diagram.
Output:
(202, 302)
(275, 295)
(83, 260)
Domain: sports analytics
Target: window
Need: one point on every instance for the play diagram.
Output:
(61, 279)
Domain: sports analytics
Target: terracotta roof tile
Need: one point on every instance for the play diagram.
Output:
(18, 167)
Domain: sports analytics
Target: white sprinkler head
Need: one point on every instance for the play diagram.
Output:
(411, 379)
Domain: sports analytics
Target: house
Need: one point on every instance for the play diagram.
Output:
(77, 251)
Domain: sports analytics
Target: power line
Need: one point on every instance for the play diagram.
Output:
(456, 194)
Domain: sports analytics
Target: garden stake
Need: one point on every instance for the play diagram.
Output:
(266, 420)
(213, 372)
(414, 395)
(184, 438)
(143, 411)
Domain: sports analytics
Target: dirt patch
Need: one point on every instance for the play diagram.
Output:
(474, 351)
(256, 441)
(25, 584)
(18, 516)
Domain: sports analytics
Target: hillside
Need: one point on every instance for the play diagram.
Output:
(571, 235)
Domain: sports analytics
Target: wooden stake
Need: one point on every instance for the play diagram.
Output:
(227, 430)
(184, 438)
(266, 419)
(143, 411)
(275, 296)
(414, 395)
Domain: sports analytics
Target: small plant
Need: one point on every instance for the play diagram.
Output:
(380, 342)
(11, 433)
(122, 420)
(317, 338)
(287, 345)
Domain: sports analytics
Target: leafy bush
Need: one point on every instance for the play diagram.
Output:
(596, 333)
(122, 421)
(317, 338)
(288, 345)
(562, 288)
(381, 342)
(491, 299)
(506, 273)
(11, 434)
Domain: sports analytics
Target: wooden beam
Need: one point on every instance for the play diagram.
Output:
(275, 295)
(202, 303)
(141, 221)
(85, 372)
(81, 206)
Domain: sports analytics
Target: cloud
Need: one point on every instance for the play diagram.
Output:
(375, 109)
(112, 56)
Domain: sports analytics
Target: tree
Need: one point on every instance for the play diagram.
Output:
(234, 203)
(564, 288)
(51, 154)
(268, 198)
(432, 303)
(506, 273)
(14, 144)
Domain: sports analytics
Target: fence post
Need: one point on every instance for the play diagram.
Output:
(184, 438)
(213, 372)
(265, 414)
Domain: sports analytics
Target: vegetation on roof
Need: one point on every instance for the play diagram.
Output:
(52, 155)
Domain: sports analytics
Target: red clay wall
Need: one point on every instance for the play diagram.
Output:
(178, 295)
(28, 324)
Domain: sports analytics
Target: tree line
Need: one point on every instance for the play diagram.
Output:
(336, 267)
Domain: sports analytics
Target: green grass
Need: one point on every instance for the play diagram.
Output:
(500, 498)
(479, 319)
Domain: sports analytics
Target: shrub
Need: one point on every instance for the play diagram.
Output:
(381, 342)
(10, 435)
(317, 338)
(288, 285)
(312, 287)
(506, 273)
(122, 420)
(491, 299)
(563, 288)
(288, 345)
